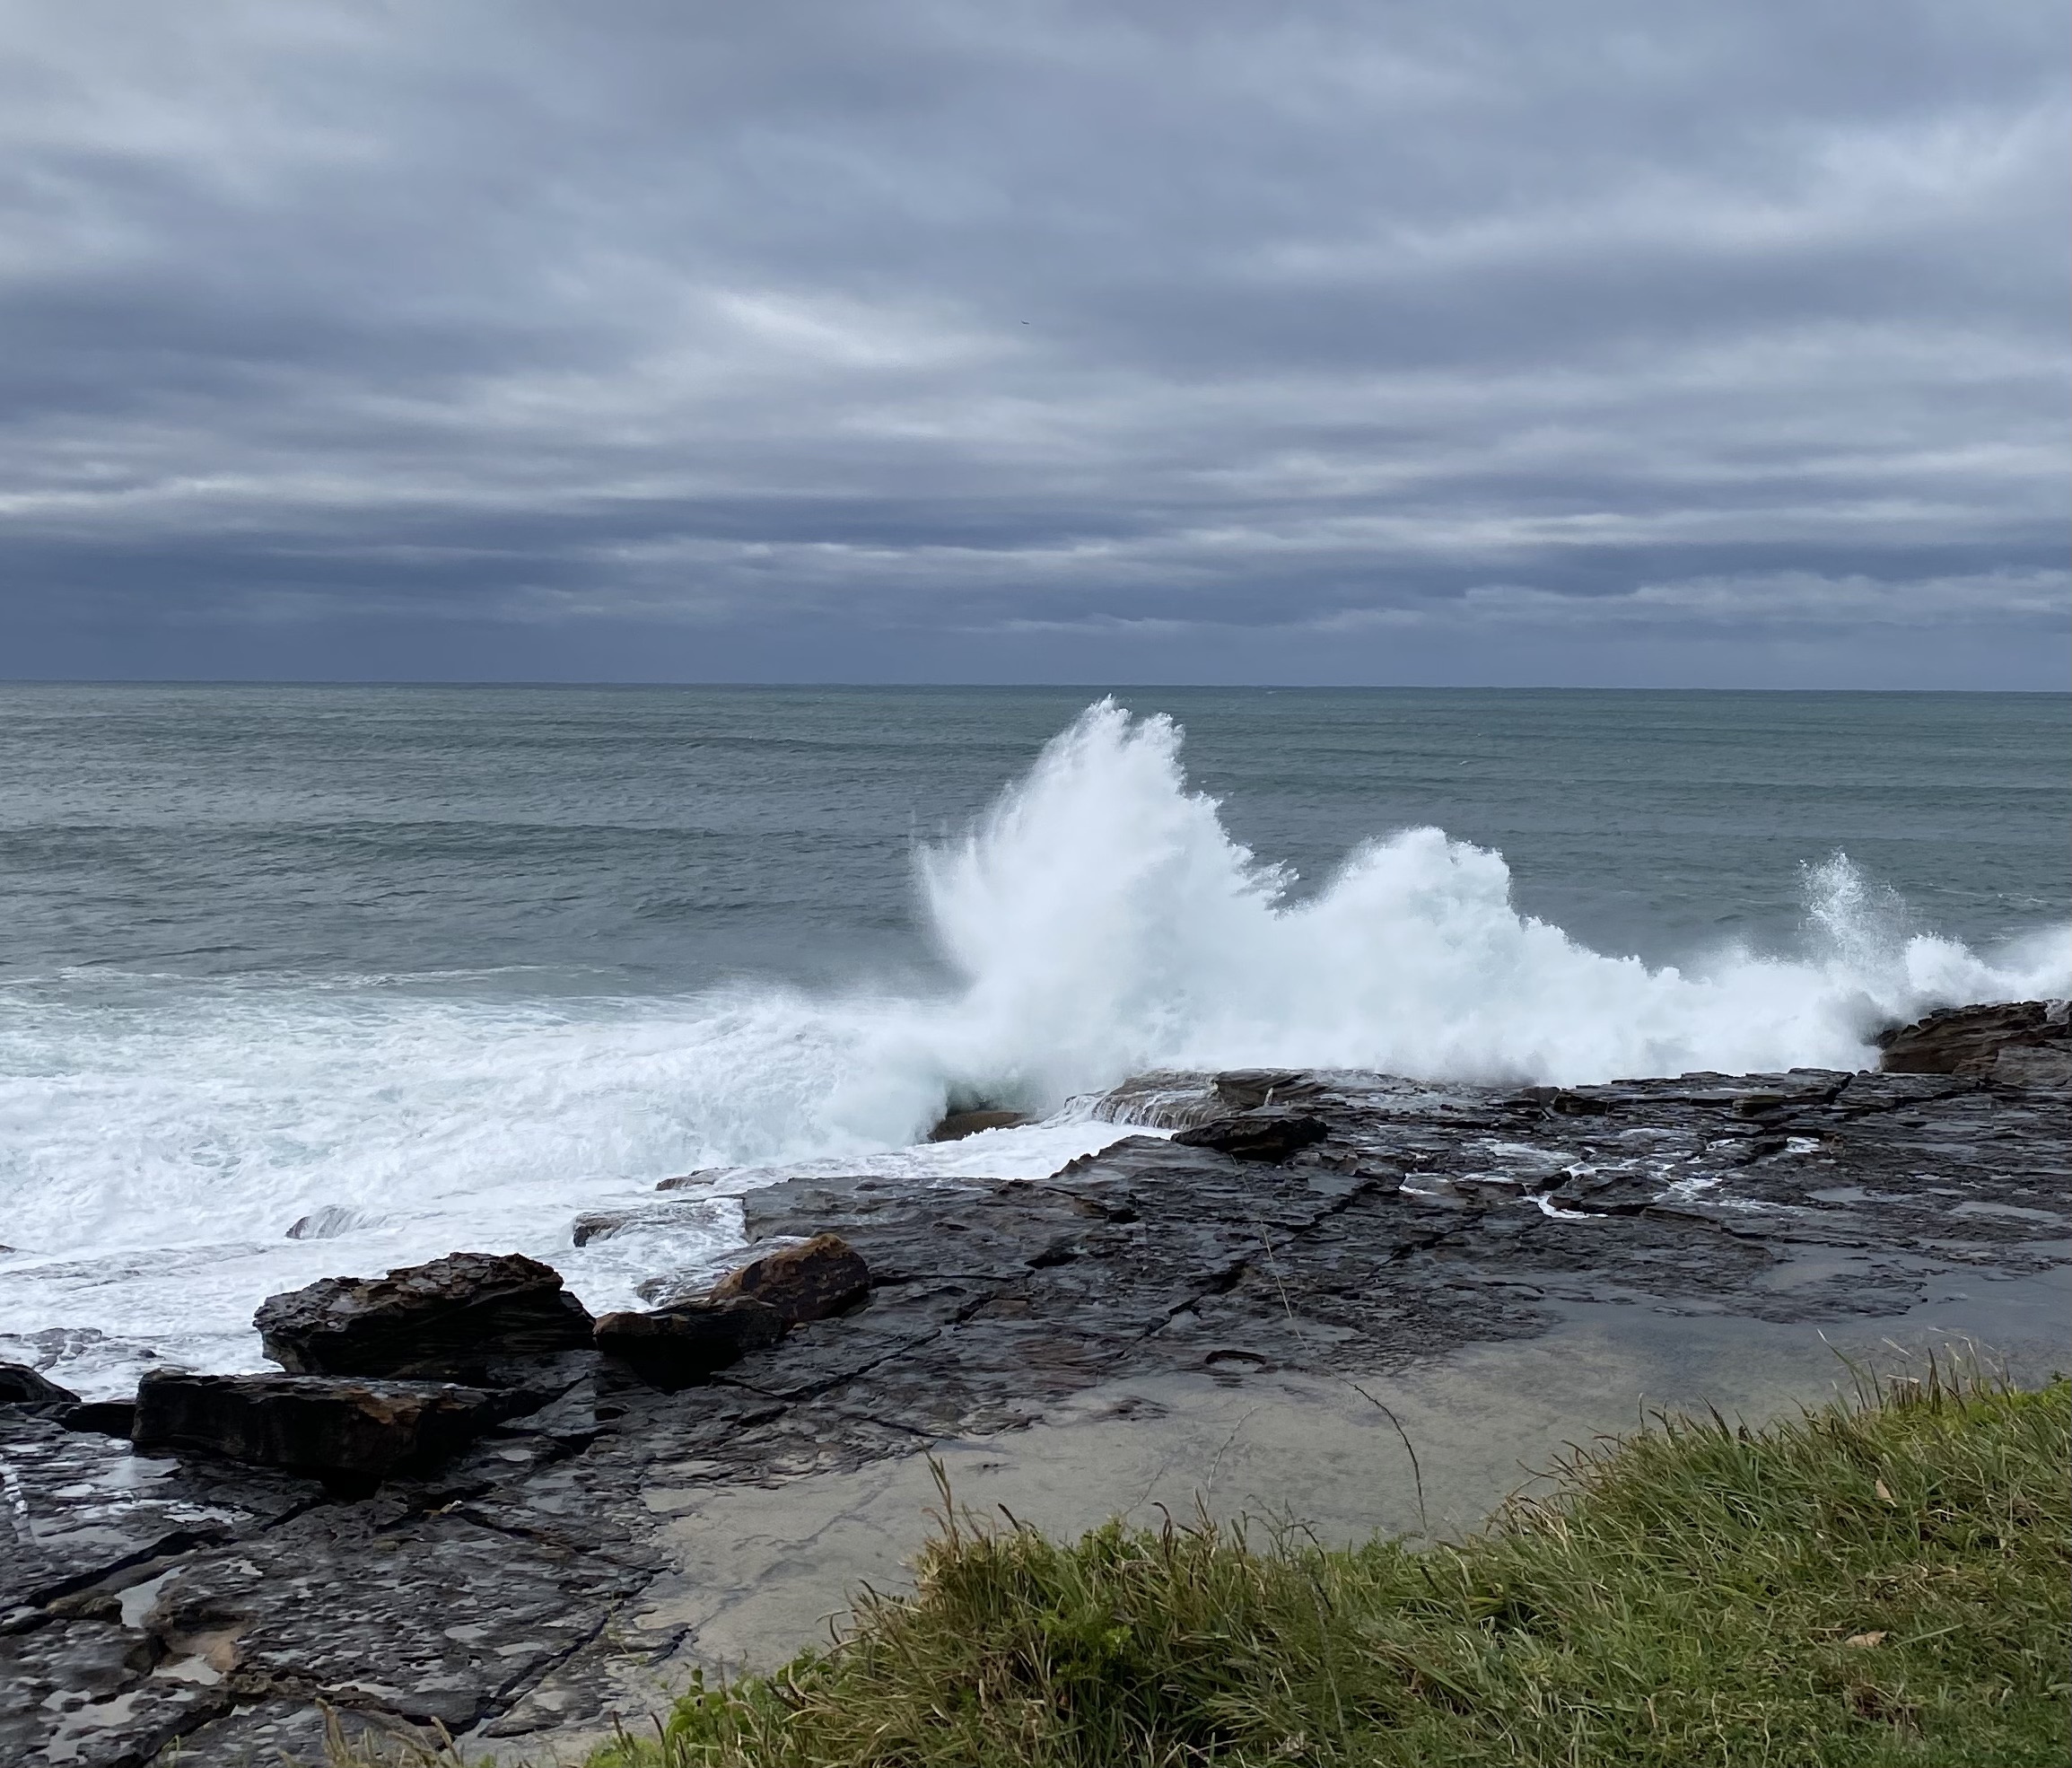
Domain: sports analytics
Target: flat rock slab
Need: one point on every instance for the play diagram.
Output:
(83, 1509)
(267, 1734)
(86, 1692)
(426, 1617)
(1428, 1225)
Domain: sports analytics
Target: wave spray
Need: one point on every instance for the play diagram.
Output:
(1105, 922)
(160, 1136)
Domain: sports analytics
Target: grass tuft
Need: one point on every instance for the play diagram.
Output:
(1886, 1581)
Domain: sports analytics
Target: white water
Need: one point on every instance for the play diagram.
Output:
(1109, 922)
(157, 1141)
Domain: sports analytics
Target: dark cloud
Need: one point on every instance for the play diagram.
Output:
(1617, 341)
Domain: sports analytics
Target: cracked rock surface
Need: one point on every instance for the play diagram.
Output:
(150, 1604)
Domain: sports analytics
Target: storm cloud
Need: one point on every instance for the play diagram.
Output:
(1031, 341)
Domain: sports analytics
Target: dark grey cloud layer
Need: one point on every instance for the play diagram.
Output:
(1626, 340)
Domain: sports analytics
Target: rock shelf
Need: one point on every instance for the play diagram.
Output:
(150, 1600)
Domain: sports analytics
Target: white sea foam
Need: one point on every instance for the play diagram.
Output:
(1108, 922)
(158, 1139)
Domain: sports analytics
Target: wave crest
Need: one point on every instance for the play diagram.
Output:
(1105, 921)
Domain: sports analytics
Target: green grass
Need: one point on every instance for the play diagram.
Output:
(1888, 1581)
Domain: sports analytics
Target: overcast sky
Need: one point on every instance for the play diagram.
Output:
(1456, 341)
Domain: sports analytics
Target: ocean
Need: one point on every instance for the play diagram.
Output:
(405, 970)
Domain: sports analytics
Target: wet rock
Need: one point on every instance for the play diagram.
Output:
(323, 1425)
(1268, 1134)
(601, 1225)
(572, 1421)
(445, 1321)
(667, 1288)
(1966, 1040)
(1163, 1100)
(82, 1694)
(1434, 1216)
(690, 1341)
(691, 1181)
(106, 1418)
(1602, 1193)
(955, 1125)
(428, 1618)
(21, 1386)
(824, 1276)
(276, 1733)
(963, 1229)
(1873, 1090)
(86, 1510)
(702, 1216)
(330, 1222)
(1566, 1101)
(2039, 1066)
(1249, 1089)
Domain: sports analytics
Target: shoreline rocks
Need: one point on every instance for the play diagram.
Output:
(477, 1585)
(1268, 1134)
(348, 1432)
(1972, 1040)
(688, 1342)
(955, 1125)
(814, 1281)
(330, 1222)
(21, 1386)
(454, 1319)
(104, 1418)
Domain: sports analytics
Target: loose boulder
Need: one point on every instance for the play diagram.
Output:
(1969, 1040)
(690, 1341)
(454, 1319)
(1268, 1134)
(352, 1431)
(824, 1276)
(21, 1386)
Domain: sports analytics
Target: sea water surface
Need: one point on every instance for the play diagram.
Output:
(418, 968)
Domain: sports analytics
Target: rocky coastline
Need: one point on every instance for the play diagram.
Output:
(432, 1517)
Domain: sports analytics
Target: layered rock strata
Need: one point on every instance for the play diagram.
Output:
(2031, 1040)
(350, 1433)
